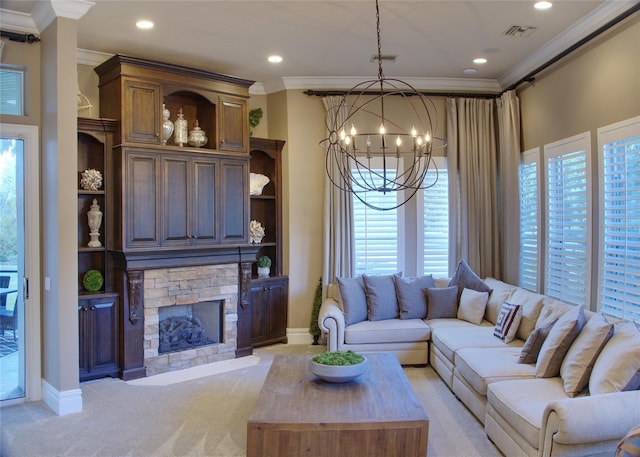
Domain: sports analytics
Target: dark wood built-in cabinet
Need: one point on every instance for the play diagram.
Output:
(269, 301)
(97, 311)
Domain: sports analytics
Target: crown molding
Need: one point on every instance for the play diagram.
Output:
(17, 21)
(257, 89)
(92, 58)
(420, 84)
(588, 24)
(45, 12)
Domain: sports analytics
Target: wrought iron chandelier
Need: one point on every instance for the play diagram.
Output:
(393, 159)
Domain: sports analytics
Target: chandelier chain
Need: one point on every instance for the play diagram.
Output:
(380, 73)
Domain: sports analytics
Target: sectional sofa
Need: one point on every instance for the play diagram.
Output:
(543, 377)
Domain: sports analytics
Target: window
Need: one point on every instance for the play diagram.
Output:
(376, 234)
(568, 220)
(11, 91)
(435, 222)
(412, 239)
(619, 265)
(530, 220)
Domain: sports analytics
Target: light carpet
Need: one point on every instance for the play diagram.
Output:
(203, 415)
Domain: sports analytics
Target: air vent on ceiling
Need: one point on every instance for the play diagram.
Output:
(387, 57)
(520, 31)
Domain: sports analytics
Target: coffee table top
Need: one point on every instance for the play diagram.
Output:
(292, 394)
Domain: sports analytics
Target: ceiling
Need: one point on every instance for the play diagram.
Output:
(329, 44)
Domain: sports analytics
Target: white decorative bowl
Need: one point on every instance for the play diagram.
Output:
(257, 183)
(338, 373)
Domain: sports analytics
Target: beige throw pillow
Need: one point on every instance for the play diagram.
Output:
(618, 366)
(560, 338)
(472, 305)
(578, 363)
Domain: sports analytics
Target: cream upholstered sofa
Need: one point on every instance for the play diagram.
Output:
(523, 413)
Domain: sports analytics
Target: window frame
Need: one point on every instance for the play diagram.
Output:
(529, 157)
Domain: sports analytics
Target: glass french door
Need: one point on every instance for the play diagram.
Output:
(19, 337)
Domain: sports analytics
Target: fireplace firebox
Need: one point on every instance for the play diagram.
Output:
(183, 327)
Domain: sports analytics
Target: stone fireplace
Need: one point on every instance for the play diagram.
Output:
(188, 298)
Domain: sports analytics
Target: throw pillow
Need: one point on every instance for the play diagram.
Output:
(353, 298)
(618, 366)
(578, 363)
(442, 302)
(508, 321)
(464, 277)
(560, 338)
(531, 348)
(500, 293)
(531, 307)
(411, 297)
(381, 297)
(472, 305)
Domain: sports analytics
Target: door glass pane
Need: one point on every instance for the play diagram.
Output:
(11, 269)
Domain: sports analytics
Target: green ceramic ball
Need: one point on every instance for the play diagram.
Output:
(93, 280)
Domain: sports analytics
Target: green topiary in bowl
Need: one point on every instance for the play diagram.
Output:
(92, 280)
(338, 366)
(338, 358)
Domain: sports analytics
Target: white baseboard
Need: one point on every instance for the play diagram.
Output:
(299, 336)
(61, 402)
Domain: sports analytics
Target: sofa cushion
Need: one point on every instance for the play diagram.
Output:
(387, 331)
(560, 338)
(411, 296)
(381, 297)
(442, 302)
(578, 363)
(617, 368)
(531, 306)
(353, 299)
(465, 277)
(522, 402)
(508, 321)
(532, 345)
(482, 366)
(500, 293)
(472, 305)
(449, 340)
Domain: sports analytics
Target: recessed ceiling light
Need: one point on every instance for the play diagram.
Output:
(144, 24)
(542, 5)
(470, 71)
(275, 59)
(480, 61)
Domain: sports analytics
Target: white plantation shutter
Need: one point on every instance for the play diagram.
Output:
(568, 222)
(619, 274)
(530, 239)
(376, 233)
(435, 222)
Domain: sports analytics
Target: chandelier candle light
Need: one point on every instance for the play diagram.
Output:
(395, 158)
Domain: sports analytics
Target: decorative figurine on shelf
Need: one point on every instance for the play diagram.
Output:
(95, 220)
(91, 179)
(256, 232)
(264, 266)
(181, 134)
(167, 124)
(197, 137)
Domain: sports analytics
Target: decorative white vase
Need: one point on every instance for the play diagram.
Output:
(263, 272)
(95, 220)
(167, 125)
(181, 134)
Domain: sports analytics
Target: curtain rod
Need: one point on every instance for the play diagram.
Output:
(328, 93)
(531, 76)
(19, 37)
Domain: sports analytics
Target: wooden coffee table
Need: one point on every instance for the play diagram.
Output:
(375, 415)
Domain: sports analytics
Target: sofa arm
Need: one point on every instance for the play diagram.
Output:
(589, 419)
(331, 321)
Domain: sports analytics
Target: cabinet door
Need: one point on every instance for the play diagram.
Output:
(259, 307)
(277, 314)
(234, 124)
(142, 214)
(205, 201)
(235, 201)
(176, 199)
(84, 333)
(141, 115)
(105, 340)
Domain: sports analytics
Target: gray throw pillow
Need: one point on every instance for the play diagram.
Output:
(560, 338)
(381, 297)
(442, 302)
(531, 348)
(411, 296)
(354, 300)
(465, 278)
